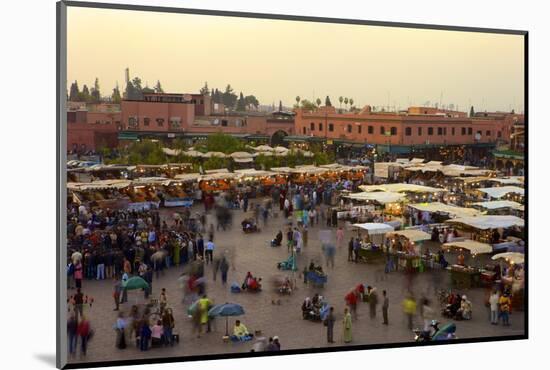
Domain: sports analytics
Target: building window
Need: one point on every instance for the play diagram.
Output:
(370, 130)
(408, 131)
(331, 127)
(320, 126)
(132, 122)
(430, 131)
(312, 126)
(488, 133)
(349, 129)
(382, 130)
(97, 122)
(440, 131)
(304, 130)
(453, 131)
(499, 134)
(175, 122)
(463, 130)
(359, 129)
(393, 131)
(160, 122)
(445, 131)
(146, 121)
(470, 130)
(420, 131)
(224, 122)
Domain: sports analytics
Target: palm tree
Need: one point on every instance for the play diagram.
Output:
(298, 101)
(341, 100)
(318, 102)
(346, 102)
(350, 103)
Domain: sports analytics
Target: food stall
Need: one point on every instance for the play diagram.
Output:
(496, 207)
(102, 193)
(513, 193)
(371, 245)
(405, 249)
(180, 192)
(463, 276)
(216, 180)
(514, 280)
(438, 212)
(488, 228)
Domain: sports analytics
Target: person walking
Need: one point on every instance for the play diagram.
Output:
(504, 304)
(79, 303)
(100, 266)
(83, 331)
(163, 300)
(346, 323)
(493, 305)
(330, 325)
(385, 306)
(210, 251)
(117, 289)
(350, 249)
(409, 308)
(72, 336)
(289, 239)
(224, 268)
(120, 328)
(168, 324)
(373, 301)
(78, 275)
(204, 305)
(339, 237)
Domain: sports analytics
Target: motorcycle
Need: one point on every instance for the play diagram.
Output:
(447, 332)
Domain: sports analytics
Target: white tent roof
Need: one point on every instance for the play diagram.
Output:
(193, 153)
(508, 181)
(489, 222)
(499, 192)
(241, 155)
(171, 152)
(375, 228)
(510, 257)
(218, 176)
(100, 184)
(215, 154)
(280, 149)
(285, 170)
(263, 148)
(449, 209)
(471, 245)
(185, 177)
(309, 169)
(217, 170)
(251, 172)
(416, 160)
(401, 188)
(382, 197)
(497, 204)
(412, 234)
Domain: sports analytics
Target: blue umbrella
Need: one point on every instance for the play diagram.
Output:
(226, 309)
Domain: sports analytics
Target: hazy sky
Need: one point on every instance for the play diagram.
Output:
(277, 60)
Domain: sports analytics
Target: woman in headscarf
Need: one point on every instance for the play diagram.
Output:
(347, 325)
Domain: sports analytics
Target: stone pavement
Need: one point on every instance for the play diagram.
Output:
(251, 252)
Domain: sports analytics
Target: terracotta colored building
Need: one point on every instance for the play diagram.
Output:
(90, 129)
(399, 133)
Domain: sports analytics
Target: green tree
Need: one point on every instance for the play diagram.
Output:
(307, 105)
(74, 94)
(298, 101)
(95, 95)
(220, 142)
(158, 88)
(350, 102)
(472, 113)
(341, 100)
(85, 94)
(251, 100)
(229, 98)
(115, 97)
(327, 102)
(280, 106)
(204, 90)
(215, 163)
(318, 101)
(241, 103)
(346, 100)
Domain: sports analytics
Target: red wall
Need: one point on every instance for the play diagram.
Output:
(154, 111)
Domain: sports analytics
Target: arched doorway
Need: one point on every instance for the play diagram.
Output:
(278, 138)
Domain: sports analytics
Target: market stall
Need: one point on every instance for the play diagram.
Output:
(438, 212)
(371, 244)
(405, 249)
(489, 228)
(462, 275)
(513, 278)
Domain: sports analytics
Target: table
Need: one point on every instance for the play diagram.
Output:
(464, 277)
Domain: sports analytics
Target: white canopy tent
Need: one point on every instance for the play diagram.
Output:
(187, 177)
(412, 234)
(452, 211)
(509, 180)
(499, 192)
(374, 228)
(499, 204)
(401, 188)
(510, 257)
(381, 197)
(489, 222)
(471, 245)
(215, 154)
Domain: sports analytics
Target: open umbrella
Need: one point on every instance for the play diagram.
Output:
(226, 309)
(134, 283)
